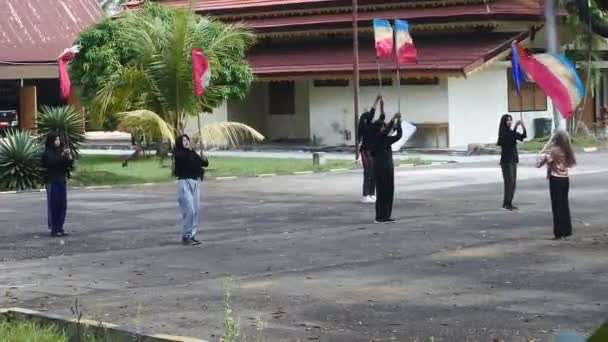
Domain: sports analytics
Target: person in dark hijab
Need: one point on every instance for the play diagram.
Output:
(384, 169)
(365, 136)
(509, 157)
(189, 171)
(57, 162)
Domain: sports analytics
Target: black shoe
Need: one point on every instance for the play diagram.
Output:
(190, 242)
(390, 220)
(379, 221)
(514, 207)
(62, 234)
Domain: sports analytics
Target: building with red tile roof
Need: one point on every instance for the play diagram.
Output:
(32, 35)
(303, 61)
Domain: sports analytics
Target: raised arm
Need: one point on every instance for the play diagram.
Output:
(524, 134)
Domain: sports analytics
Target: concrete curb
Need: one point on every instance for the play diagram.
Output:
(114, 332)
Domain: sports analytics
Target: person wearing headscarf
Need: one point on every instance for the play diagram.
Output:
(189, 171)
(365, 136)
(509, 157)
(558, 161)
(384, 169)
(57, 162)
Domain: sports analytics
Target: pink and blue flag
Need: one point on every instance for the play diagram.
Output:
(556, 76)
(383, 34)
(406, 51)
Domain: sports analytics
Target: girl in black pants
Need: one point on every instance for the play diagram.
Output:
(509, 157)
(384, 170)
(558, 161)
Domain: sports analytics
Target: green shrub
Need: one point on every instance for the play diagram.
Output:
(19, 161)
(66, 122)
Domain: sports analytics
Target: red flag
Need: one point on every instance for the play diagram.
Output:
(200, 72)
(64, 78)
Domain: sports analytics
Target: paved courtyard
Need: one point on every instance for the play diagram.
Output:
(305, 259)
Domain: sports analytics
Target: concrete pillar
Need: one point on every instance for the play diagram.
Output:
(318, 158)
(74, 102)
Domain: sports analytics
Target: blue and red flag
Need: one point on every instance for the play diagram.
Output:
(516, 73)
(556, 76)
(406, 51)
(383, 35)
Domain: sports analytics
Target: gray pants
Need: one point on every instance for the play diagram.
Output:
(509, 176)
(189, 199)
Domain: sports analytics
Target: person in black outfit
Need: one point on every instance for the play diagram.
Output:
(509, 157)
(365, 135)
(384, 170)
(189, 171)
(57, 162)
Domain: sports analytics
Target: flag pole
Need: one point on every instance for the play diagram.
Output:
(551, 29)
(200, 135)
(398, 81)
(379, 77)
(356, 73)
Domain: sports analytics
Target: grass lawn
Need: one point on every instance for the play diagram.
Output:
(108, 170)
(536, 145)
(25, 331)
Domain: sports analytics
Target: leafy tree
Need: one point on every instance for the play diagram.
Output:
(141, 63)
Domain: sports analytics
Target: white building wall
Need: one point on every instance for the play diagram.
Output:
(296, 126)
(254, 111)
(219, 114)
(331, 108)
(476, 104)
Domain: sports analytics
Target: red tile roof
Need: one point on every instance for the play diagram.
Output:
(501, 9)
(436, 54)
(242, 6)
(39, 30)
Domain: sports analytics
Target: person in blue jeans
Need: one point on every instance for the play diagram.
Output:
(189, 170)
(57, 162)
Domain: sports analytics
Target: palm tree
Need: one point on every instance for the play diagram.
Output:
(153, 92)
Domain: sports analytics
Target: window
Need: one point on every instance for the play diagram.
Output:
(420, 81)
(330, 83)
(281, 98)
(373, 82)
(532, 97)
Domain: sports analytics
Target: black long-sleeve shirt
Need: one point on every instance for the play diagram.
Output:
(56, 166)
(365, 130)
(189, 165)
(508, 142)
(382, 150)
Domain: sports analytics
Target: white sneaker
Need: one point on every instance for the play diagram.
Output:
(373, 198)
(368, 200)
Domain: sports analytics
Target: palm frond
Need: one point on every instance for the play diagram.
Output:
(148, 122)
(228, 134)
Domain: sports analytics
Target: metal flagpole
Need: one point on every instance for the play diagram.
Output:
(379, 77)
(200, 135)
(398, 89)
(356, 73)
(551, 28)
